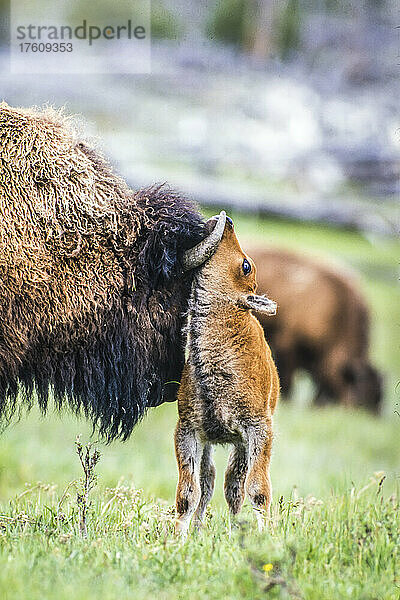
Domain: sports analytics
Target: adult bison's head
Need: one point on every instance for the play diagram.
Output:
(364, 385)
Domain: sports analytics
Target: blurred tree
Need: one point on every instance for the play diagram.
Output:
(260, 27)
(264, 38)
(108, 12)
(288, 29)
(228, 22)
(164, 23)
(4, 22)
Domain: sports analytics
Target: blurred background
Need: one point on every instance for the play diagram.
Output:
(285, 114)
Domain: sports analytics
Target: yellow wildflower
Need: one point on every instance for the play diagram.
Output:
(267, 568)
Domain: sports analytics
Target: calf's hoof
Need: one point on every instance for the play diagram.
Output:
(181, 529)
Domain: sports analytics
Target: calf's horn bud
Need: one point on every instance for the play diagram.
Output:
(196, 256)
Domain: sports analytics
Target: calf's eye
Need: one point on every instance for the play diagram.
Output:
(246, 266)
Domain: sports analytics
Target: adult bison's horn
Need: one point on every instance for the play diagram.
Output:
(196, 256)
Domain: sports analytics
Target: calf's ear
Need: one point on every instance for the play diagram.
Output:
(194, 257)
(261, 304)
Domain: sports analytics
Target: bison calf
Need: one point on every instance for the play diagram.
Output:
(229, 387)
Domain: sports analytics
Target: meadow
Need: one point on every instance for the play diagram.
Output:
(335, 524)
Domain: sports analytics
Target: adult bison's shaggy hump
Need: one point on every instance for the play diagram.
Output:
(94, 278)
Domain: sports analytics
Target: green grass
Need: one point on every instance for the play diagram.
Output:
(334, 531)
(346, 545)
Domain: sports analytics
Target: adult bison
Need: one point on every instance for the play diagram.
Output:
(94, 278)
(322, 326)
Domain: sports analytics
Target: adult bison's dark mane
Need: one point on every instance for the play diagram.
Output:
(92, 288)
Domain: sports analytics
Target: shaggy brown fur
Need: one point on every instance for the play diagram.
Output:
(91, 286)
(322, 326)
(229, 388)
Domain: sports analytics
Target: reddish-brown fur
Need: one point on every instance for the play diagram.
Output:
(229, 388)
(322, 326)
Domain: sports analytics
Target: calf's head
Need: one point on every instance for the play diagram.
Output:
(229, 272)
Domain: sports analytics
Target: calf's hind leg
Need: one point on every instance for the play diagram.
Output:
(235, 477)
(207, 480)
(188, 449)
(258, 483)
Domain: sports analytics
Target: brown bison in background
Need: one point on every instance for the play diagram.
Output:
(322, 326)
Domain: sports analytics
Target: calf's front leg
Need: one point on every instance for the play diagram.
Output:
(188, 450)
(258, 483)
